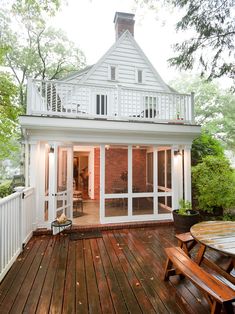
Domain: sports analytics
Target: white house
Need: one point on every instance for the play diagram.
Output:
(119, 122)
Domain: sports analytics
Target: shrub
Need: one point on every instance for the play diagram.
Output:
(5, 188)
(205, 145)
(214, 183)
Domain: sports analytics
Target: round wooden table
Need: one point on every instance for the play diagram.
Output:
(220, 236)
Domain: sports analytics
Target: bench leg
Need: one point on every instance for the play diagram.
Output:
(216, 308)
(200, 254)
(169, 271)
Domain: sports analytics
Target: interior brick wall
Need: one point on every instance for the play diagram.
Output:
(116, 163)
(97, 173)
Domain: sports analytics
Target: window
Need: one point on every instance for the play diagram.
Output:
(139, 76)
(112, 73)
(101, 104)
(150, 103)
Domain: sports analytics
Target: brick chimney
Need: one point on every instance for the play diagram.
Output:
(123, 21)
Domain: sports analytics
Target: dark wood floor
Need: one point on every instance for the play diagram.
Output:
(119, 273)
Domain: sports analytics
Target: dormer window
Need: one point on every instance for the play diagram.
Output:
(112, 73)
(139, 76)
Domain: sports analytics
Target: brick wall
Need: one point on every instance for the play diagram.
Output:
(116, 164)
(97, 173)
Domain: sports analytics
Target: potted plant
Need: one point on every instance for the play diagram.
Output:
(185, 217)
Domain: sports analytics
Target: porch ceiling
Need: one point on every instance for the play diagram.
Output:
(103, 131)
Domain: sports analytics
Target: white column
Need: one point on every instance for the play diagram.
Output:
(52, 183)
(129, 181)
(102, 182)
(187, 174)
(34, 177)
(26, 164)
(177, 178)
(155, 179)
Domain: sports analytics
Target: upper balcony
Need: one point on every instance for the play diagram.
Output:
(59, 98)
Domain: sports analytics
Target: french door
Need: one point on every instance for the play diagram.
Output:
(60, 181)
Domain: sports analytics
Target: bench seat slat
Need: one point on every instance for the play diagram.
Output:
(204, 281)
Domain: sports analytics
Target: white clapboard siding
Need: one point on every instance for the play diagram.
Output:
(127, 57)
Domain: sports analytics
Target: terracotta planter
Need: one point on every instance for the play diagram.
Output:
(183, 223)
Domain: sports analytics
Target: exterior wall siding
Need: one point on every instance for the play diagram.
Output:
(127, 58)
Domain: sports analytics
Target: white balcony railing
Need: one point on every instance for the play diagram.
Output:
(58, 98)
(16, 226)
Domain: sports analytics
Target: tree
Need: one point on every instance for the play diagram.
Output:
(213, 44)
(36, 50)
(214, 107)
(205, 145)
(9, 111)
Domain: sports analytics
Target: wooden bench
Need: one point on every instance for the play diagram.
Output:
(216, 292)
(186, 242)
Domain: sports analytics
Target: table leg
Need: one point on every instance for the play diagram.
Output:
(200, 254)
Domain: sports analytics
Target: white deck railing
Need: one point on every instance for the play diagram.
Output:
(16, 226)
(58, 98)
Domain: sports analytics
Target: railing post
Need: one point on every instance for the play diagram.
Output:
(119, 100)
(29, 96)
(192, 107)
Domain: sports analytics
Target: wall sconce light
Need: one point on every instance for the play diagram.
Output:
(177, 153)
(107, 147)
(51, 151)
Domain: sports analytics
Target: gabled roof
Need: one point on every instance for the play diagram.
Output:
(125, 35)
(73, 74)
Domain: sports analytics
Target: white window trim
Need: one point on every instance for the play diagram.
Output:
(116, 72)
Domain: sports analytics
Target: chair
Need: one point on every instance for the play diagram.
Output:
(77, 201)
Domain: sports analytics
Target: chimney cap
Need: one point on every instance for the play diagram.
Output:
(123, 15)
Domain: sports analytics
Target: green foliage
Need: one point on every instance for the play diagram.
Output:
(214, 107)
(205, 145)
(213, 27)
(9, 112)
(5, 189)
(34, 49)
(214, 181)
(184, 207)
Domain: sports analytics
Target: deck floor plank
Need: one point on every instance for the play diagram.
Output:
(121, 272)
(92, 286)
(115, 290)
(134, 281)
(80, 275)
(11, 295)
(26, 286)
(69, 304)
(11, 275)
(35, 291)
(58, 293)
(104, 293)
(127, 292)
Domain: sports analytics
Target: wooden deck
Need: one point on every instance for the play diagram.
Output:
(122, 272)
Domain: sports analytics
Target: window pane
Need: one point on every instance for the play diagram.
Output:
(113, 73)
(141, 165)
(101, 104)
(164, 204)
(116, 207)
(140, 76)
(169, 169)
(116, 166)
(142, 205)
(161, 171)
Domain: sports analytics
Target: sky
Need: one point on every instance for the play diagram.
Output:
(89, 23)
